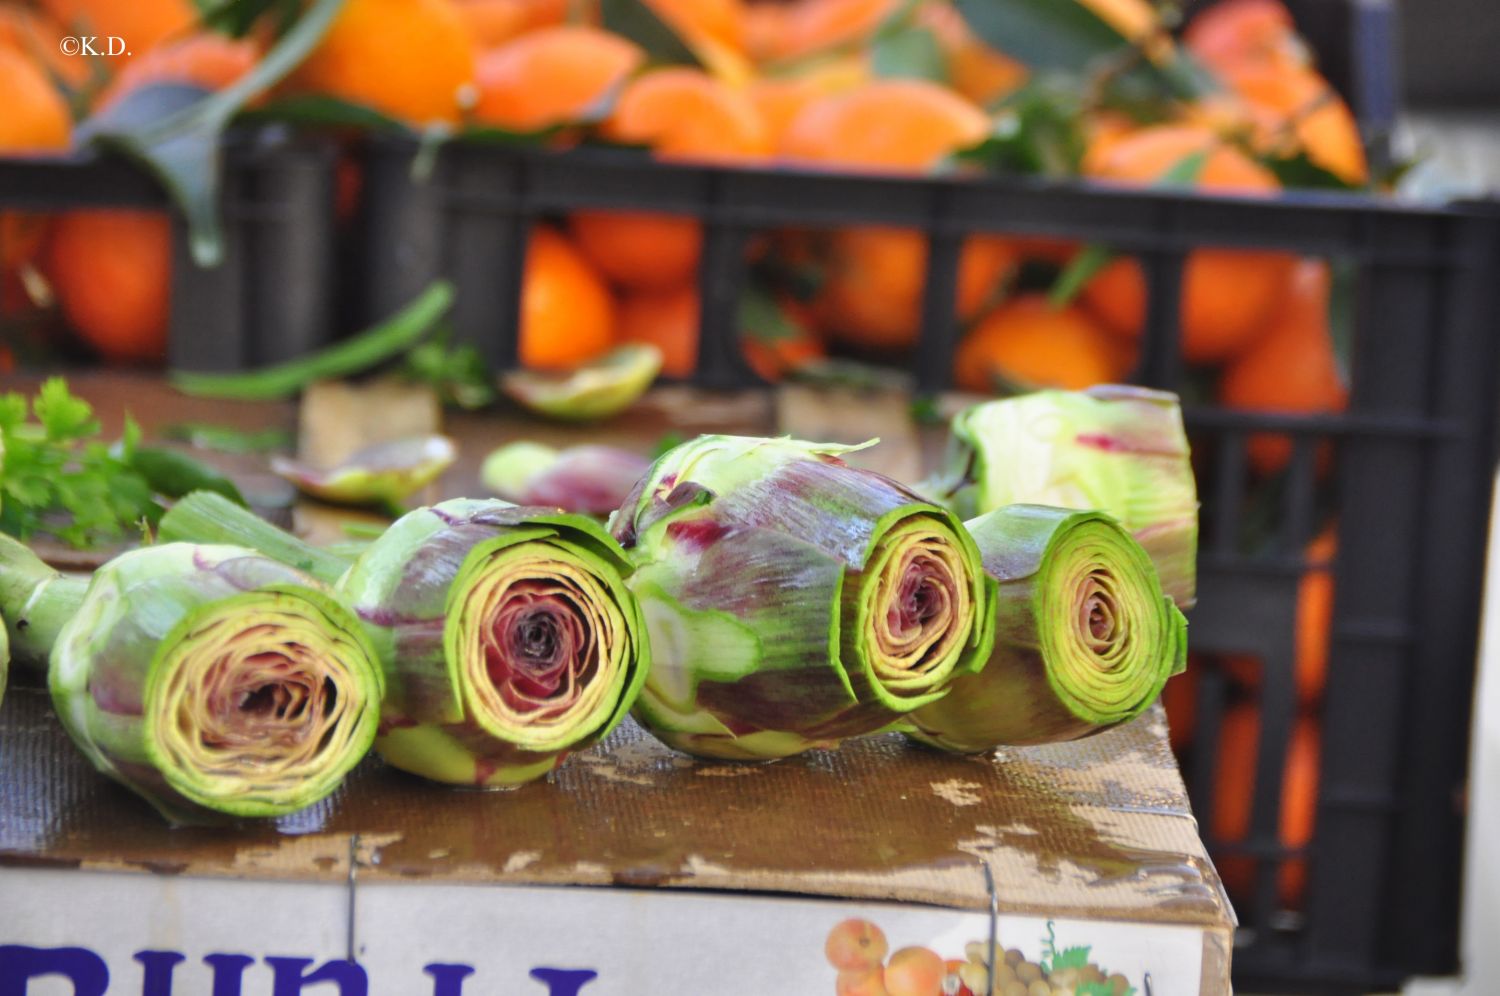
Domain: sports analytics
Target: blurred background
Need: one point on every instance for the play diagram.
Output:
(1279, 209)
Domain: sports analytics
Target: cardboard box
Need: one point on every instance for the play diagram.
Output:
(701, 877)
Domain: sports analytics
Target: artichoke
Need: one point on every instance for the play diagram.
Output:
(1120, 450)
(590, 479)
(210, 680)
(508, 636)
(792, 600)
(1084, 636)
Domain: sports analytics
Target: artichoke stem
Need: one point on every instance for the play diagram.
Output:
(206, 517)
(35, 601)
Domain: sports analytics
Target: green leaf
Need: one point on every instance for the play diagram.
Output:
(236, 17)
(1185, 172)
(63, 416)
(370, 348)
(1082, 268)
(1074, 957)
(175, 131)
(909, 54)
(174, 474)
(1299, 172)
(638, 22)
(320, 109)
(1068, 36)
(458, 373)
(1038, 130)
(763, 318)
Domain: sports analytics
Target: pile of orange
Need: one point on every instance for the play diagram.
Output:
(794, 84)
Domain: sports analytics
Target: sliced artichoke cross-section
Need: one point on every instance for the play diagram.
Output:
(215, 682)
(1084, 639)
(508, 635)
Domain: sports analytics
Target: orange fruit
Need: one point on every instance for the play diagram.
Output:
(784, 32)
(873, 280)
(767, 27)
(36, 117)
(897, 125)
(36, 120)
(36, 36)
(1292, 368)
(1228, 295)
(915, 971)
(1298, 109)
(1149, 154)
(667, 320)
(140, 24)
(975, 70)
(1236, 33)
(112, 274)
(818, 25)
(567, 313)
(491, 23)
(205, 60)
(1234, 786)
(640, 250)
(1103, 130)
(1315, 615)
(1029, 343)
(686, 114)
(551, 76)
(540, 13)
(779, 99)
(410, 59)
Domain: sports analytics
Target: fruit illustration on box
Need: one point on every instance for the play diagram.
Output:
(857, 949)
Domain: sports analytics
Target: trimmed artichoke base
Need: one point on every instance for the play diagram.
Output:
(1085, 639)
(509, 637)
(214, 681)
(253, 711)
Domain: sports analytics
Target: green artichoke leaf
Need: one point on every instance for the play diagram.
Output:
(385, 474)
(215, 682)
(591, 479)
(1114, 448)
(597, 390)
(1084, 637)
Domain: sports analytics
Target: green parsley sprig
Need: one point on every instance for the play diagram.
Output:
(58, 476)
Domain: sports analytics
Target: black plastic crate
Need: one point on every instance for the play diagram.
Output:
(273, 295)
(1411, 480)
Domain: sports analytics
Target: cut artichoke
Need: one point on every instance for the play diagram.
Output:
(211, 680)
(509, 637)
(1120, 450)
(794, 601)
(1085, 639)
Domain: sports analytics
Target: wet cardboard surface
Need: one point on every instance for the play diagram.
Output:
(1095, 829)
